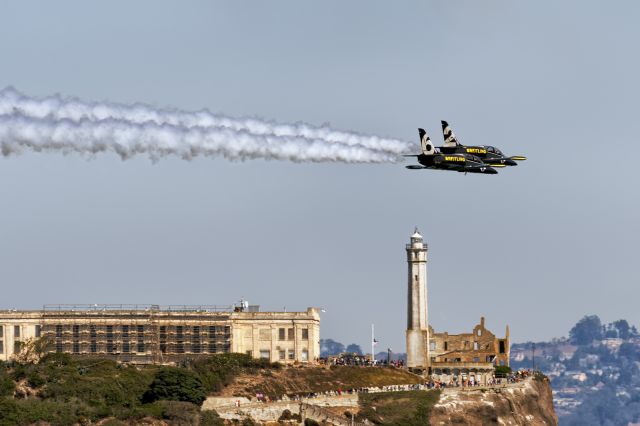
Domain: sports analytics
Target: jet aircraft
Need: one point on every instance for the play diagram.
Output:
(488, 154)
(459, 162)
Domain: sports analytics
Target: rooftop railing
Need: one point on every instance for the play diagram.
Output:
(134, 307)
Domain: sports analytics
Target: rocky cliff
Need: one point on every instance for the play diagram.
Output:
(527, 403)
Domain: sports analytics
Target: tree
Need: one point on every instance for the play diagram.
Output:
(176, 385)
(354, 349)
(586, 330)
(330, 347)
(32, 350)
(624, 330)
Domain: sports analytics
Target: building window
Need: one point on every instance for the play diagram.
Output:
(76, 347)
(290, 334)
(282, 355)
(140, 347)
(1, 331)
(195, 340)
(432, 346)
(93, 347)
(58, 346)
(281, 334)
(58, 331)
(475, 346)
(1, 347)
(479, 332)
(502, 350)
(76, 331)
(446, 346)
(111, 348)
(126, 349)
(305, 334)
(265, 354)
(292, 355)
(476, 359)
(16, 331)
(250, 353)
(38, 330)
(305, 355)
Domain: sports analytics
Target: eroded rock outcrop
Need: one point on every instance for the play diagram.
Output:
(527, 403)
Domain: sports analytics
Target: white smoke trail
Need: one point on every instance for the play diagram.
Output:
(19, 132)
(72, 125)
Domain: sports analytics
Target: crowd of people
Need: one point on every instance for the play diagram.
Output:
(452, 382)
(359, 360)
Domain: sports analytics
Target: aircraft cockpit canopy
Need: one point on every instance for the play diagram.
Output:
(494, 150)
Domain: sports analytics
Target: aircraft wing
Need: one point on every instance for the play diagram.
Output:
(484, 168)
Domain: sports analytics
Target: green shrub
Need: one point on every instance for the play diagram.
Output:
(502, 370)
(19, 372)
(7, 386)
(35, 380)
(210, 418)
(176, 384)
(180, 413)
(9, 412)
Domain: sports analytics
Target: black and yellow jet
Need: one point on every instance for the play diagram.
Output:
(488, 154)
(458, 162)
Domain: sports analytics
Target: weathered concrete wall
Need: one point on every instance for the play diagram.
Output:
(481, 345)
(25, 321)
(216, 402)
(271, 411)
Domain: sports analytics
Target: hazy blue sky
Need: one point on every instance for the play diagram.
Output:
(537, 246)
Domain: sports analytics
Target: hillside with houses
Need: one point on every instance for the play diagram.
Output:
(594, 372)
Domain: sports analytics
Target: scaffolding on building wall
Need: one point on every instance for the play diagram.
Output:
(138, 333)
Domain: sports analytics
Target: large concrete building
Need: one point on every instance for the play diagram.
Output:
(157, 334)
(447, 357)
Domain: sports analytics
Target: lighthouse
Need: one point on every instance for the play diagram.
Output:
(417, 320)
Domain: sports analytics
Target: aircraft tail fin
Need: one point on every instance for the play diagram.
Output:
(449, 138)
(425, 143)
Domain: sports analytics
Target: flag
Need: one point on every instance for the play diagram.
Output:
(375, 342)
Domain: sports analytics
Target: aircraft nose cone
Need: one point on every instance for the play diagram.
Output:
(491, 171)
(510, 163)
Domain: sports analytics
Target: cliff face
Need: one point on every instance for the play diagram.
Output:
(529, 403)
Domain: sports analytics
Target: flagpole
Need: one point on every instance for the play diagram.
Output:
(372, 344)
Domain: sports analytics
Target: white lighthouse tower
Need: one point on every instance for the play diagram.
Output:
(417, 320)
